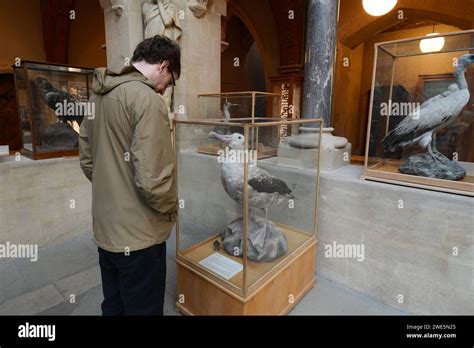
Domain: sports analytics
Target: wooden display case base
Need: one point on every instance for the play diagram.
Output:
(49, 154)
(213, 149)
(274, 287)
(387, 171)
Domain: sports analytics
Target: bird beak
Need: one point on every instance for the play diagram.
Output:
(223, 138)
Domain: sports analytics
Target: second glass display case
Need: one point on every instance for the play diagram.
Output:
(242, 105)
(52, 101)
(421, 128)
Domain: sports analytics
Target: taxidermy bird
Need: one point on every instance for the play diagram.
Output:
(52, 96)
(436, 113)
(264, 190)
(226, 109)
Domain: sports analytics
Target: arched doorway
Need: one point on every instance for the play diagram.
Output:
(241, 62)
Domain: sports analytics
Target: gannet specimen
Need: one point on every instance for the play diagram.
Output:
(226, 110)
(420, 126)
(264, 190)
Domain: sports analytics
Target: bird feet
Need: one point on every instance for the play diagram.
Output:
(258, 237)
(437, 156)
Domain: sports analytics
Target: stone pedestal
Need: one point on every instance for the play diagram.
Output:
(302, 150)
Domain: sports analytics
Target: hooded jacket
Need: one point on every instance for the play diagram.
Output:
(126, 152)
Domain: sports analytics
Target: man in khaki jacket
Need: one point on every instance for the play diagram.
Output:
(126, 152)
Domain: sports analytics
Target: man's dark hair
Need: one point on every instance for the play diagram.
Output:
(156, 49)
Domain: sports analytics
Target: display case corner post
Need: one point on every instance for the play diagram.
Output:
(30, 105)
(86, 76)
(176, 182)
(318, 181)
(371, 106)
(20, 123)
(392, 78)
(245, 211)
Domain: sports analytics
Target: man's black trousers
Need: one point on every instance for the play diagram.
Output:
(133, 283)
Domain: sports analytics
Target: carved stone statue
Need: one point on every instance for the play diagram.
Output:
(160, 17)
(117, 7)
(198, 7)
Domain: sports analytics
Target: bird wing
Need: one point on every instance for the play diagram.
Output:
(426, 103)
(431, 115)
(263, 182)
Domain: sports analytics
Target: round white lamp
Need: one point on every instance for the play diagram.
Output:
(435, 44)
(378, 7)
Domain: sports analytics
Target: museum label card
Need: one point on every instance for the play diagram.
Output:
(4, 150)
(221, 265)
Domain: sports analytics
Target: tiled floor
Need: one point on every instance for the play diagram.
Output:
(66, 281)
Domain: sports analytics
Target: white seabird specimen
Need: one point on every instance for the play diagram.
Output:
(438, 112)
(264, 190)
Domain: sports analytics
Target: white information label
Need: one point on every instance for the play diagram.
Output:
(221, 265)
(4, 150)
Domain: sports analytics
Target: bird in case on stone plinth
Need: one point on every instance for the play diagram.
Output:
(438, 112)
(264, 189)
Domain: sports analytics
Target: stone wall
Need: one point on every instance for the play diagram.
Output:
(408, 251)
(201, 57)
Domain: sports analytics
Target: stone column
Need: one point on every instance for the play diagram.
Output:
(200, 44)
(301, 149)
(321, 29)
(123, 30)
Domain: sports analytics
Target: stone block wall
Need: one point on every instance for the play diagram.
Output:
(418, 258)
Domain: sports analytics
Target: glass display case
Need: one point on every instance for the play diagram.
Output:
(52, 101)
(421, 125)
(243, 248)
(242, 105)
